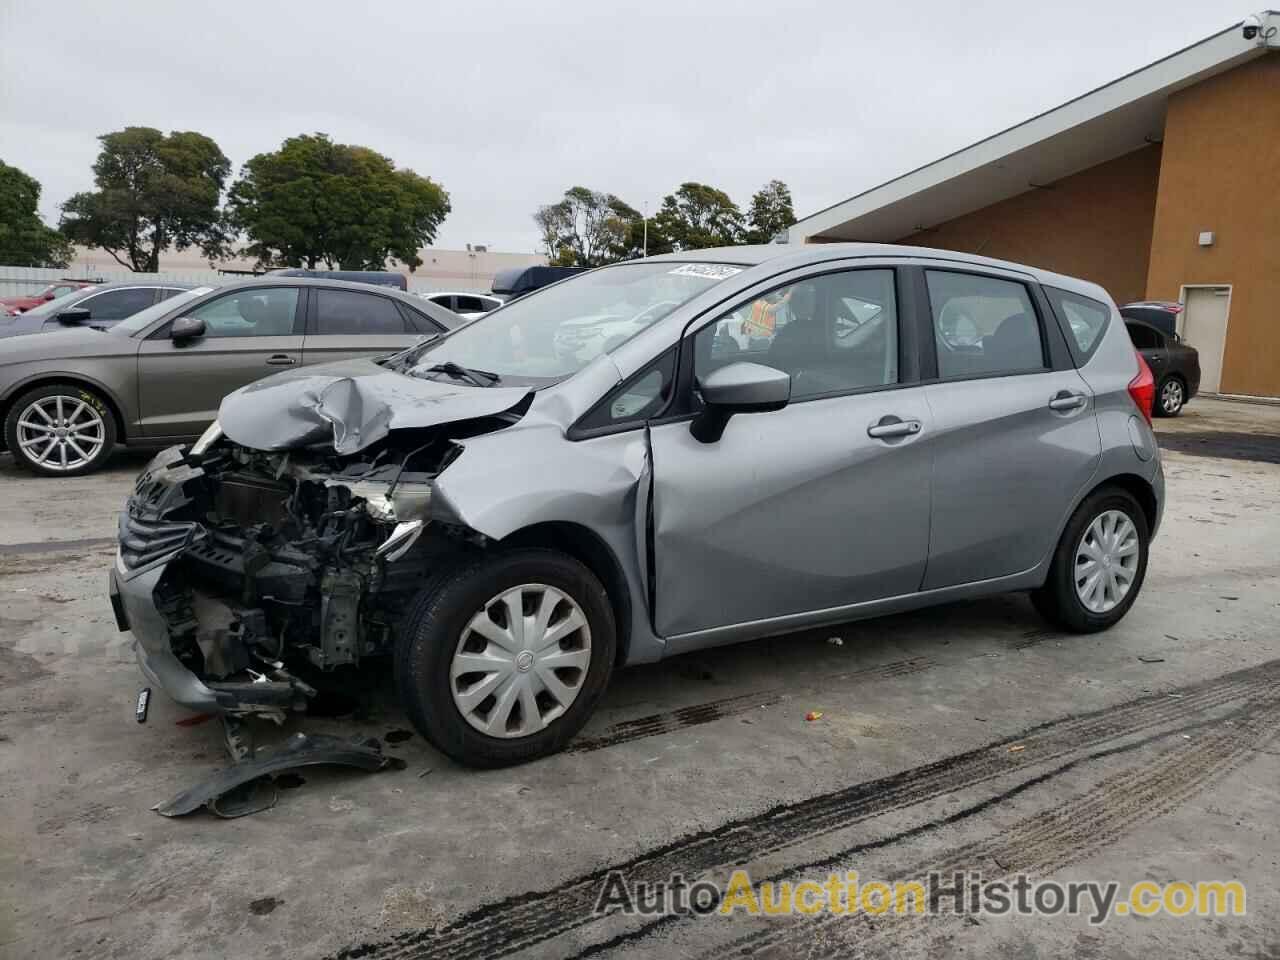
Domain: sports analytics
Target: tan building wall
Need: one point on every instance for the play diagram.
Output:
(1095, 224)
(1221, 173)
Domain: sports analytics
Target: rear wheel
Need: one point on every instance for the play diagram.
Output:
(1099, 564)
(60, 430)
(503, 660)
(1171, 397)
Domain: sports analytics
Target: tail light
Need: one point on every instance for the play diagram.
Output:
(1143, 388)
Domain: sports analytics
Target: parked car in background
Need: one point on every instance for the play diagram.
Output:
(379, 278)
(1174, 365)
(1161, 314)
(518, 281)
(99, 307)
(67, 398)
(509, 522)
(12, 306)
(468, 305)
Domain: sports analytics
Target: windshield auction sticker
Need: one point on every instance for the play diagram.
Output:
(707, 271)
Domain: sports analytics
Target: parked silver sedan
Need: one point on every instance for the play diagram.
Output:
(510, 522)
(69, 395)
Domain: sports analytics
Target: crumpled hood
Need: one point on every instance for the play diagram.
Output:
(351, 404)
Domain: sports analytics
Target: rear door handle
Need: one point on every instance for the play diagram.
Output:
(1068, 401)
(891, 426)
(280, 360)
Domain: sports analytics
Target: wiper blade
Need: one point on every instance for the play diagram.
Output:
(481, 378)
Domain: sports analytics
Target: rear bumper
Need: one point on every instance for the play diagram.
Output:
(133, 601)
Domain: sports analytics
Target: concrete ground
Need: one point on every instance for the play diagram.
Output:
(970, 737)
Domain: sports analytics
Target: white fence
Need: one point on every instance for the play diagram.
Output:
(25, 281)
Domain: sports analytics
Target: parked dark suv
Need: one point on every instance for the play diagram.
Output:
(1174, 364)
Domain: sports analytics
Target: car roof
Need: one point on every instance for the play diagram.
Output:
(786, 256)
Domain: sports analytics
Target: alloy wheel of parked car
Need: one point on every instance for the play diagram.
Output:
(1099, 564)
(1172, 397)
(521, 661)
(60, 430)
(501, 660)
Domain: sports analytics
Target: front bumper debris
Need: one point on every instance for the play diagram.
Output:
(224, 793)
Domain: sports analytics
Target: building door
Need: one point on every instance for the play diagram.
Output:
(1204, 326)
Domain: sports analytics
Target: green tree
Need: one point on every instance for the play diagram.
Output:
(587, 228)
(153, 192)
(25, 239)
(697, 216)
(315, 201)
(770, 212)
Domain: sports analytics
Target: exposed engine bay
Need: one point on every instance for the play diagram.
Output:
(292, 562)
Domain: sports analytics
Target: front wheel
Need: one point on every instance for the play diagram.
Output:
(60, 430)
(1099, 564)
(503, 660)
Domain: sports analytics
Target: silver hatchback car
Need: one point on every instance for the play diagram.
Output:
(785, 437)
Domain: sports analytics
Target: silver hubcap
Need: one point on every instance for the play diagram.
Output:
(1106, 561)
(1171, 396)
(61, 433)
(521, 661)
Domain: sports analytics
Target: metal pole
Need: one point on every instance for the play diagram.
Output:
(646, 229)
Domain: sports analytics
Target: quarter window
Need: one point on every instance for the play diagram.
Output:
(641, 398)
(250, 313)
(983, 326)
(356, 314)
(1085, 317)
(833, 333)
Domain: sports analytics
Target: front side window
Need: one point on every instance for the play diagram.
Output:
(556, 331)
(118, 304)
(833, 333)
(250, 313)
(350, 313)
(983, 326)
(470, 305)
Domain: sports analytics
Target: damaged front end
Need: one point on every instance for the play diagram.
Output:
(245, 573)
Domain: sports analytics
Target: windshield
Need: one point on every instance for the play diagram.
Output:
(144, 318)
(555, 332)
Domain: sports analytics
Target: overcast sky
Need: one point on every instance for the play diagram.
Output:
(508, 104)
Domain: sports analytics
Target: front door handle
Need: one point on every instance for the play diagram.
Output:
(1068, 401)
(891, 426)
(280, 360)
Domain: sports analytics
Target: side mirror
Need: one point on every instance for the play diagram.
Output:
(186, 328)
(738, 388)
(74, 315)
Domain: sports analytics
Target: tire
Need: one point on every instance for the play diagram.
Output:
(82, 447)
(1171, 397)
(1058, 600)
(439, 627)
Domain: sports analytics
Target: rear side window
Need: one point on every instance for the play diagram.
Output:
(343, 312)
(470, 305)
(1085, 320)
(983, 326)
(1144, 337)
(444, 300)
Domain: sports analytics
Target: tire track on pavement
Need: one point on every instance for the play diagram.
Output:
(1067, 833)
(506, 926)
(657, 724)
